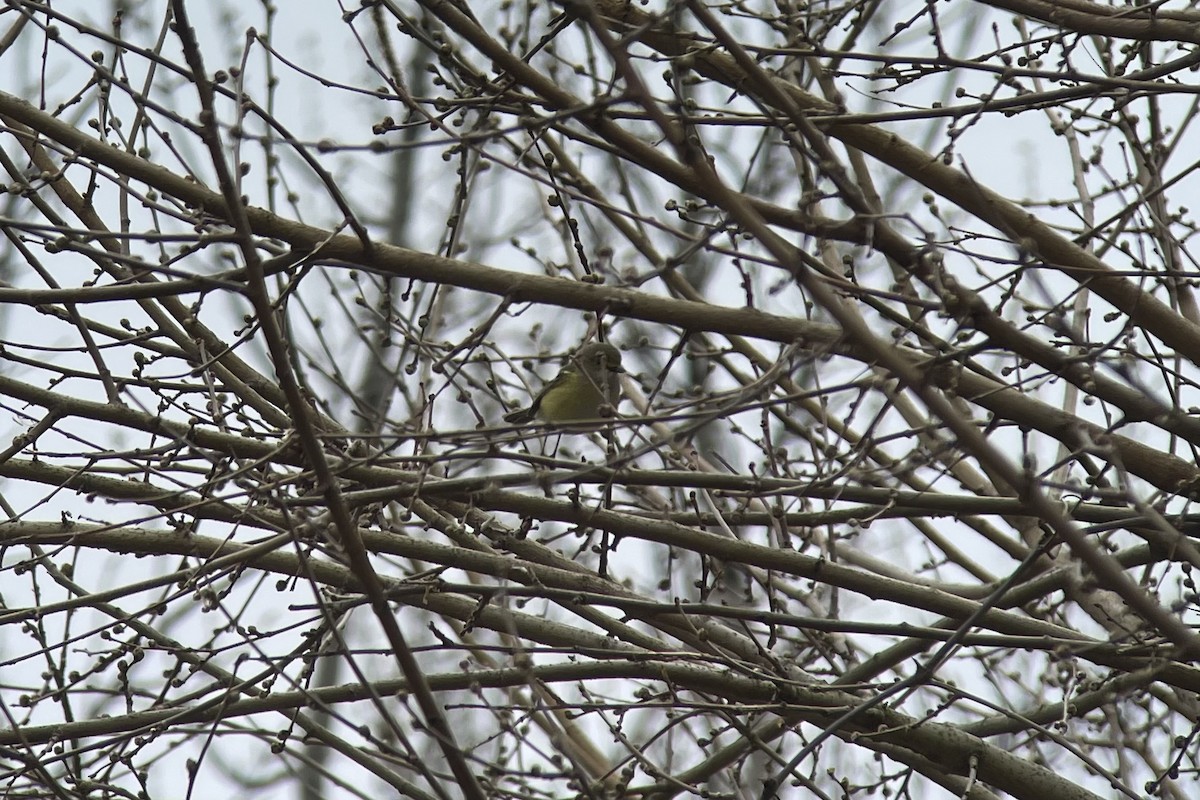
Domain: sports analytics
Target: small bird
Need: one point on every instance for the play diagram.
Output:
(588, 381)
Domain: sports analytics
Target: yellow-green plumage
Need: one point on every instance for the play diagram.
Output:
(588, 381)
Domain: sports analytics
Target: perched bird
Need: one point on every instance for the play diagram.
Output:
(589, 380)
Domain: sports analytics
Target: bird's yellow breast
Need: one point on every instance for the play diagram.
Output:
(574, 398)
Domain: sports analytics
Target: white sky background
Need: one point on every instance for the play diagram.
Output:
(1018, 157)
